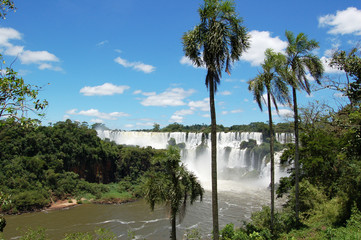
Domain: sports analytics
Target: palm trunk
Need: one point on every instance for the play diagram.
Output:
(173, 235)
(214, 161)
(272, 161)
(297, 155)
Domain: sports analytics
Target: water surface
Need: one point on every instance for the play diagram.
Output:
(136, 217)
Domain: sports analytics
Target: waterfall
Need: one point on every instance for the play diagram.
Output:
(233, 163)
(284, 137)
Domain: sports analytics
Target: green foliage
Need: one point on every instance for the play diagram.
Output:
(248, 144)
(169, 183)
(350, 63)
(133, 162)
(17, 97)
(65, 159)
(98, 234)
(30, 200)
(193, 234)
(5, 7)
(2, 224)
(32, 234)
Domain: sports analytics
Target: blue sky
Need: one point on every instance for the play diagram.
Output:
(121, 62)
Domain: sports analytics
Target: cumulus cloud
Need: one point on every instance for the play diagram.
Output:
(186, 61)
(102, 90)
(170, 97)
(49, 66)
(178, 116)
(95, 113)
(42, 58)
(27, 57)
(259, 42)
(225, 93)
(202, 105)
(97, 120)
(325, 61)
(139, 66)
(136, 92)
(287, 113)
(343, 22)
(7, 34)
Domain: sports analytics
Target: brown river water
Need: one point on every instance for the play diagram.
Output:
(235, 206)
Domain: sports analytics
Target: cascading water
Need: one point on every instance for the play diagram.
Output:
(235, 165)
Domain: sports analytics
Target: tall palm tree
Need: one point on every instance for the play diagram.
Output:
(170, 183)
(271, 80)
(215, 43)
(300, 60)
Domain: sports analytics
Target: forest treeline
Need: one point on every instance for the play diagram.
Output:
(283, 127)
(41, 164)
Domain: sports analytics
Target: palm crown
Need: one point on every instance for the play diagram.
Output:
(217, 41)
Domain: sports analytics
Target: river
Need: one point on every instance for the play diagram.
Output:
(235, 206)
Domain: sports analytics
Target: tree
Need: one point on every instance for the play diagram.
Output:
(216, 43)
(271, 81)
(170, 183)
(156, 127)
(300, 60)
(18, 98)
(5, 7)
(350, 63)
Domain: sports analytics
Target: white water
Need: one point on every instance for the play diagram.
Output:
(238, 169)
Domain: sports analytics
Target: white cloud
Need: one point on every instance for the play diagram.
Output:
(170, 97)
(102, 43)
(343, 22)
(178, 115)
(105, 89)
(129, 126)
(187, 61)
(49, 66)
(95, 113)
(145, 124)
(325, 61)
(224, 112)
(246, 100)
(27, 57)
(206, 115)
(139, 66)
(184, 112)
(237, 111)
(42, 58)
(176, 118)
(283, 113)
(14, 50)
(200, 105)
(97, 120)
(7, 34)
(225, 93)
(259, 42)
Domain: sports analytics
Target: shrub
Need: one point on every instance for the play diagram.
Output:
(30, 200)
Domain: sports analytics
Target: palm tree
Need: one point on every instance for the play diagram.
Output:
(170, 183)
(272, 81)
(300, 59)
(215, 43)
